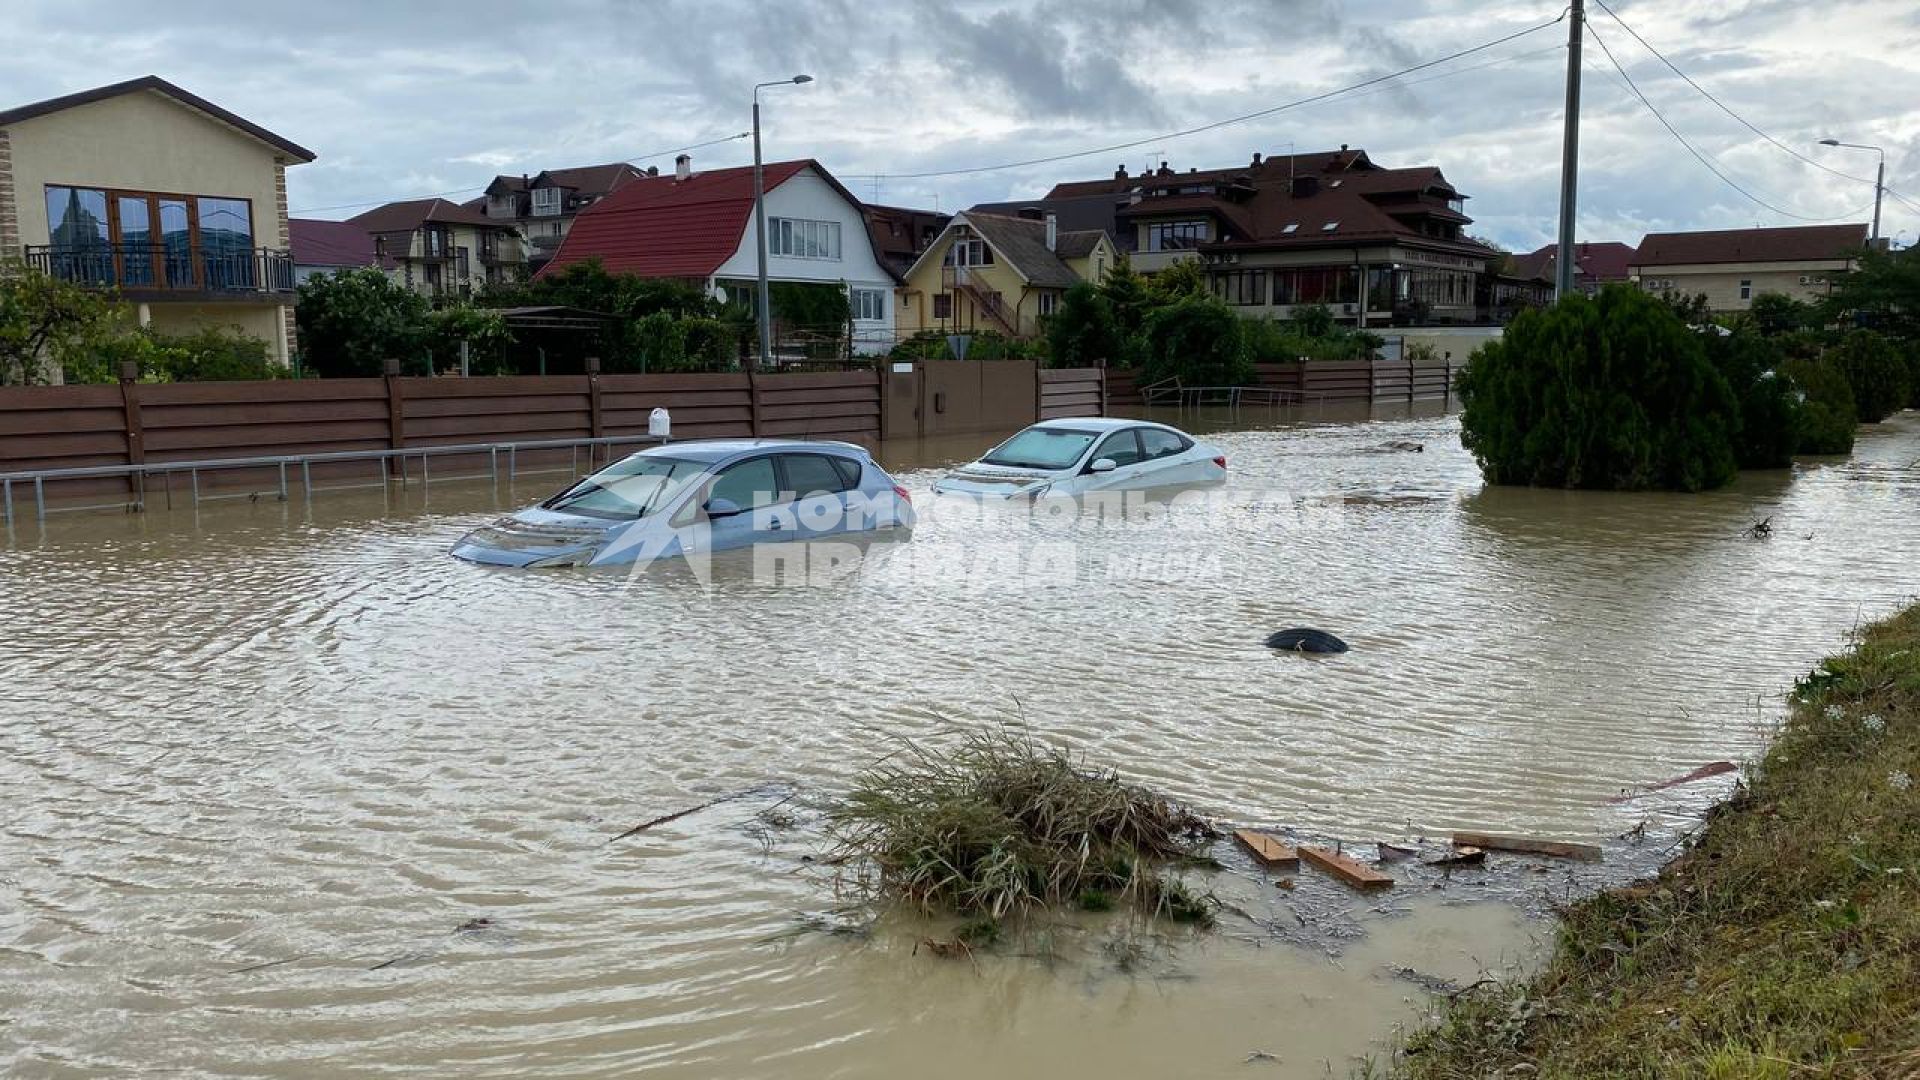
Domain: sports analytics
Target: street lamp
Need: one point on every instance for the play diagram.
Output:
(1879, 179)
(760, 219)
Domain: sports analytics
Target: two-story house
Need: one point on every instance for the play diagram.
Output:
(443, 249)
(699, 227)
(543, 207)
(169, 201)
(992, 272)
(1378, 246)
(1732, 266)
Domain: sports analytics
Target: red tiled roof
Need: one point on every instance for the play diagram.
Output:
(1606, 261)
(329, 243)
(660, 226)
(1795, 243)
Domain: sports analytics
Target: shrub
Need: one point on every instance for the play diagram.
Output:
(1777, 313)
(1771, 414)
(1126, 296)
(45, 319)
(1876, 371)
(1614, 392)
(351, 322)
(1828, 420)
(1081, 332)
(1199, 341)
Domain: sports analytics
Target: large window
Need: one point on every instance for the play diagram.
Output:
(1176, 235)
(142, 239)
(943, 305)
(1316, 285)
(867, 303)
(547, 201)
(969, 253)
(1246, 288)
(796, 238)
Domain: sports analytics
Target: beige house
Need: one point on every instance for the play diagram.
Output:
(1733, 266)
(989, 272)
(443, 249)
(143, 189)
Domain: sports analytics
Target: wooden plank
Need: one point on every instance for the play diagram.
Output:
(1462, 856)
(1527, 845)
(1268, 849)
(1346, 869)
(99, 396)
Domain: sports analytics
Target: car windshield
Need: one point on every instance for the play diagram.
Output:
(632, 488)
(1041, 448)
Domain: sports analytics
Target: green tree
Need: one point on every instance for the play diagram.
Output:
(1877, 372)
(1883, 291)
(1081, 331)
(352, 322)
(1611, 392)
(483, 330)
(1183, 280)
(1774, 314)
(1771, 414)
(1828, 420)
(45, 322)
(1126, 295)
(1199, 341)
(1313, 321)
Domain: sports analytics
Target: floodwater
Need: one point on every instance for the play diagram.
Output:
(264, 762)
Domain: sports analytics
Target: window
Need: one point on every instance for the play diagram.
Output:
(849, 470)
(1241, 287)
(867, 303)
(1159, 443)
(1041, 448)
(1316, 285)
(1292, 227)
(1746, 289)
(812, 474)
(147, 240)
(969, 253)
(1048, 302)
(547, 201)
(800, 239)
(748, 485)
(632, 488)
(1123, 447)
(502, 206)
(943, 305)
(1330, 226)
(1176, 235)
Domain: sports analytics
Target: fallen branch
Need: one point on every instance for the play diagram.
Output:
(678, 814)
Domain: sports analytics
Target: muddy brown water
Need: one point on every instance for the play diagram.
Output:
(262, 761)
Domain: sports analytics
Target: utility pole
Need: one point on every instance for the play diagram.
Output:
(1563, 261)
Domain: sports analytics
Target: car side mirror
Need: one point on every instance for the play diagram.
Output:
(1105, 464)
(722, 508)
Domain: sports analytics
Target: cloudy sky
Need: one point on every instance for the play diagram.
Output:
(404, 98)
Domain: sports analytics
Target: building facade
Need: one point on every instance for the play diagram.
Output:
(1731, 267)
(443, 250)
(991, 272)
(162, 197)
(1595, 266)
(699, 227)
(543, 206)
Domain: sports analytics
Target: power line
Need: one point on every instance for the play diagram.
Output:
(1052, 158)
(1701, 157)
(465, 190)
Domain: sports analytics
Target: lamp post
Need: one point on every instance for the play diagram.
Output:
(1879, 179)
(760, 221)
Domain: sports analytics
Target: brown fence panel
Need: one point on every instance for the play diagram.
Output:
(1432, 380)
(702, 406)
(827, 404)
(1338, 380)
(1123, 388)
(1067, 392)
(63, 427)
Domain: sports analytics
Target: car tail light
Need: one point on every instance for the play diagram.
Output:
(905, 496)
(1221, 461)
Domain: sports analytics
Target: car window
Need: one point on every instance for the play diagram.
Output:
(1041, 448)
(1159, 443)
(1122, 446)
(748, 485)
(631, 488)
(849, 471)
(812, 474)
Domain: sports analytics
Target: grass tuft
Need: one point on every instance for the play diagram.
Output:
(997, 824)
(1786, 942)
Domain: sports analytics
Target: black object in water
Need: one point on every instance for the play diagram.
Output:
(1306, 639)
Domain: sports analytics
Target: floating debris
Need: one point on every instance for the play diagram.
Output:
(1527, 845)
(1305, 639)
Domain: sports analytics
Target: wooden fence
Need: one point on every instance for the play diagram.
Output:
(1066, 392)
(1329, 382)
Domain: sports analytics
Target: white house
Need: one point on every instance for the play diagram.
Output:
(699, 227)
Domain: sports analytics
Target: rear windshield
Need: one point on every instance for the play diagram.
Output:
(632, 488)
(1041, 448)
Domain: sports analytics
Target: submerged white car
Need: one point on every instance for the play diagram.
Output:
(1074, 457)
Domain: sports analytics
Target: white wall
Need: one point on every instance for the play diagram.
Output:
(808, 196)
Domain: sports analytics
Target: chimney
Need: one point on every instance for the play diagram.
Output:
(653, 170)
(1256, 159)
(682, 167)
(1120, 173)
(1164, 171)
(1053, 231)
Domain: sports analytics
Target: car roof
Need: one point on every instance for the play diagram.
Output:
(713, 450)
(1099, 423)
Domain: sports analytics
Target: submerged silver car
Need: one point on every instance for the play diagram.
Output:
(691, 497)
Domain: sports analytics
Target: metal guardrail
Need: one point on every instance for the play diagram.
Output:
(137, 475)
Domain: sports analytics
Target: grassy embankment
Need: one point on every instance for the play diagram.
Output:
(1784, 943)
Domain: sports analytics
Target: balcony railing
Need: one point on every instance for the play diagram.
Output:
(156, 268)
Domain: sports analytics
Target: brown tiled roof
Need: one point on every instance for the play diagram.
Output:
(157, 85)
(896, 234)
(413, 213)
(1327, 161)
(1607, 261)
(329, 243)
(1797, 243)
(1023, 244)
(1078, 244)
(586, 179)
